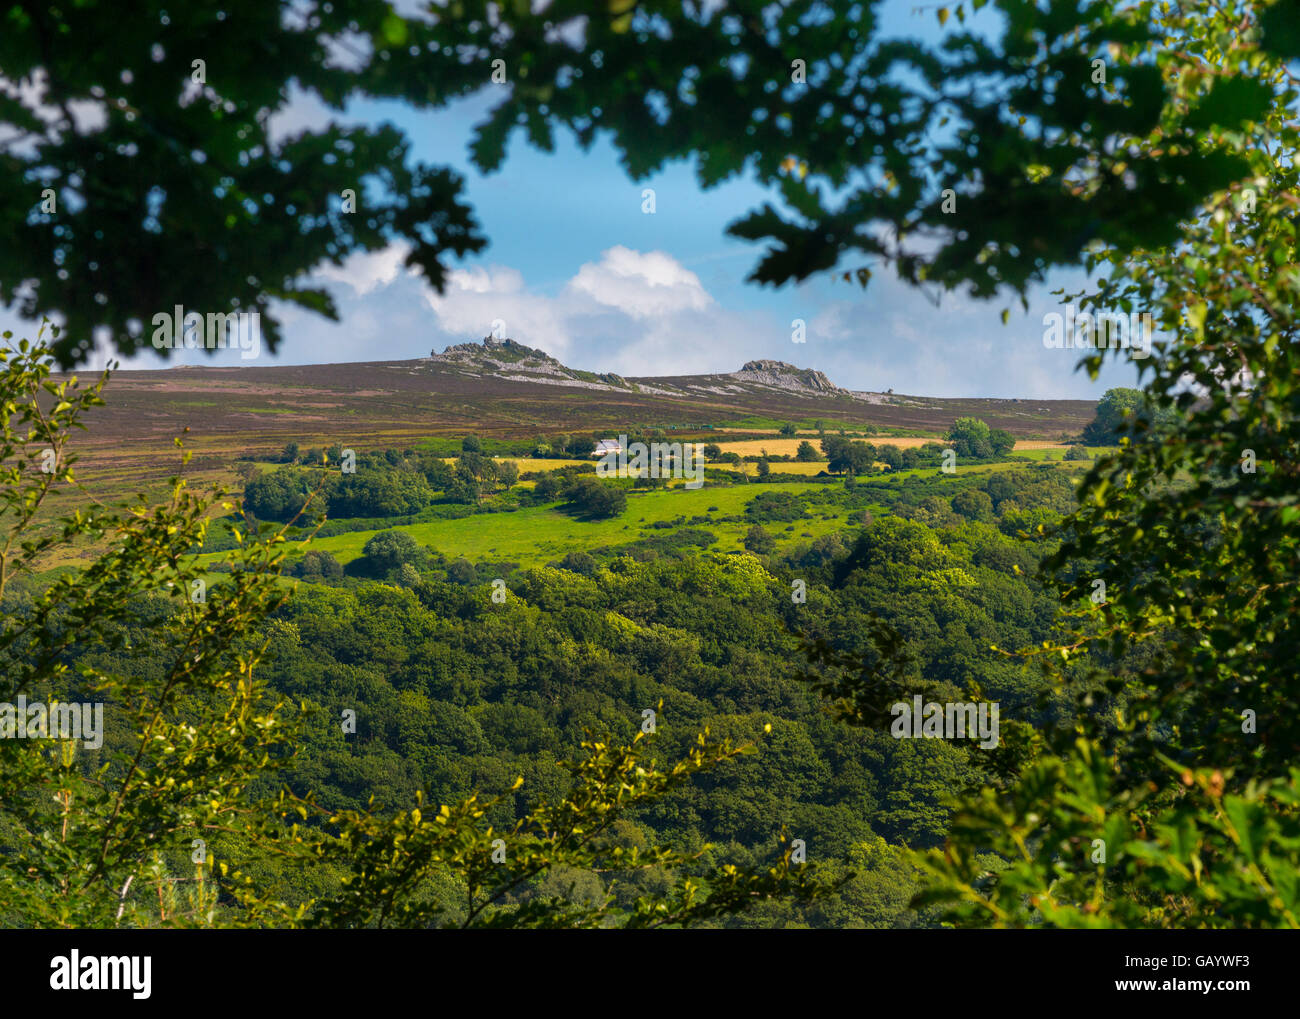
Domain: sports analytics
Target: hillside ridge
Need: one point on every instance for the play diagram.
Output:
(510, 360)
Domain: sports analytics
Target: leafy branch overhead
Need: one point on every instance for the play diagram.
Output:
(1171, 800)
(155, 135)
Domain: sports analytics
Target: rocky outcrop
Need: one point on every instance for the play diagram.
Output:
(505, 359)
(515, 362)
(780, 375)
(493, 353)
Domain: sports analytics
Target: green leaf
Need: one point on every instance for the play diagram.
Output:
(1280, 25)
(394, 29)
(1229, 102)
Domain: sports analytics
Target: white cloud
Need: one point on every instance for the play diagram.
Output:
(481, 280)
(640, 285)
(89, 116)
(637, 313)
(303, 112)
(368, 269)
(476, 300)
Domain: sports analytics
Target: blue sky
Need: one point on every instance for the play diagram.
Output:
(575, 267)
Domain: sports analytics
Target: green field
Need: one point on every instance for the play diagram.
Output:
(537, 535)
(1058, 453)
(541, 534)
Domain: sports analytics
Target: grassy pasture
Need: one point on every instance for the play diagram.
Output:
(537, 535)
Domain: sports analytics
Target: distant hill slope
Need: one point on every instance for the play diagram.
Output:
(514, 362)
(510, 361)
(506, 360)
(504, 389)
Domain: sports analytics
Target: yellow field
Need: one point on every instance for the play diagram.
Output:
(793, 467)
(776, 446)
(527, 463)
(788, 447)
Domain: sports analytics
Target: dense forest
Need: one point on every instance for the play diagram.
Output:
(688, 722)
(455, 692)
